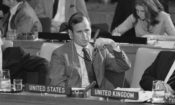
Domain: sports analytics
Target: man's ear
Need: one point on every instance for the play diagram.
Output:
(70, 34)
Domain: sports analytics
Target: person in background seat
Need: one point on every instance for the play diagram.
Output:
(159, 70)
(148, 18)
(21, 18)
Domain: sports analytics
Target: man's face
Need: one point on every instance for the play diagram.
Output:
(82, 33)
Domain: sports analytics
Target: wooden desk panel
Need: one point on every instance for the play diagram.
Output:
(37, 99)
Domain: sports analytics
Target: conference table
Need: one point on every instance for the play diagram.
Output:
(26, 98)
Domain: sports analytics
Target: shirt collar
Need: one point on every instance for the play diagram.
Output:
(14, 9)
(79, 48)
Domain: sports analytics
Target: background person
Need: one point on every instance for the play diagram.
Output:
(21, 18)
(86, 62)
(43, 8)
(147, 18)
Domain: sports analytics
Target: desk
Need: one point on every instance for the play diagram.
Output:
(37, 99)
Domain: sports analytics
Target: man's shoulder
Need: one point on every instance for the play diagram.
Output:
(64, 48)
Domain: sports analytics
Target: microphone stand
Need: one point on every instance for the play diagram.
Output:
(90, 86)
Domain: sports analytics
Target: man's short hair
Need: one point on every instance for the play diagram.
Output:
(75, 19)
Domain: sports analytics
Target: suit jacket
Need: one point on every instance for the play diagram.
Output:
(158, 70)
(73, 6)
(24, 20)
(103, 59)
(43, 8)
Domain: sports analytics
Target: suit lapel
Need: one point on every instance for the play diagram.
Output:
(98, 65)
(74, 62)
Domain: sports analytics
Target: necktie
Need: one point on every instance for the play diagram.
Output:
(89, 65)
(86, 54)
(172, 79)
(55, 6)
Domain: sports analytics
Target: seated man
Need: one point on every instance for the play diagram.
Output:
(159, 70)
(78, 63)
(21, 19)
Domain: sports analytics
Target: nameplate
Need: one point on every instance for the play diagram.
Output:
(45, 89)
(115, 94)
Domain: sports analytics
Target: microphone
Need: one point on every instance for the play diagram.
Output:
(90, 86)
(96, 35)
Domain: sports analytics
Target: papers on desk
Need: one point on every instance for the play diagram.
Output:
(165, 44)
(142, 95)
(161, 41)
(160, 37)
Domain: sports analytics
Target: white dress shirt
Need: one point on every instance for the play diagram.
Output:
(82, 71)
(12, 12)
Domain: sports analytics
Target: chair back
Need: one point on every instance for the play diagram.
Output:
(144, 58)
(46, 23)
(47, 49)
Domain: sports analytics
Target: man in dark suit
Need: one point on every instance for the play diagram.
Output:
(85, 62)
(158, 71)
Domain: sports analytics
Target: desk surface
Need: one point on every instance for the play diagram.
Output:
(38, 99)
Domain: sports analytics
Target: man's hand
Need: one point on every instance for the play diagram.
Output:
(101, 42)
(115, 32)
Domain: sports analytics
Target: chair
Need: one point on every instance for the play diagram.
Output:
(47, 49)
(46, 23)
(144, 58)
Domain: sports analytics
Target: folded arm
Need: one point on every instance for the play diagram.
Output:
(115, 58)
